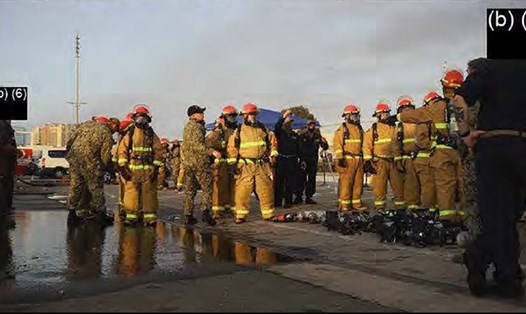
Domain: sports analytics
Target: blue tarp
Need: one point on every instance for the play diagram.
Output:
(269, 119)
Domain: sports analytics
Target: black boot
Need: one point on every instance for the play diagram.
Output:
(104, 218)
(297, 200)
(310, 201)
(189, 220)
(207, 217)
(476, 276)
(73, 219)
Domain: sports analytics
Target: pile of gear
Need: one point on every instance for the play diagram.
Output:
(418, 228)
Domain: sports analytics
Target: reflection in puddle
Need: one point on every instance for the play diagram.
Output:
(43, 249)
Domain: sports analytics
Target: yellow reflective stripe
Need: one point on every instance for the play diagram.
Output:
(252, 144)
(345, 202)
(423, 155)
(150, 215)
(441, 126)
(353, 141)
(412, 206)
(461, 213)
(228, 206)
(141, 149)
(114, 159)
(338, 151)
(140, 167)
(216, 208)
(157, 163)
(131, 216)
(398, 158)
(447, 212)
(266, 212)
(406, 157)
(379, 203)
(367, 157)
(218, 160)
(383, 141)
(444, 146)
(122, 161)
(273, 153)
(240, 211)
(246, 161)
(231, 160)
(223, 144)
(399, 117)
(409, 140)
(357, 201)
(432, 209)
(399, 203)
(384, 156)
(179, 185)
(351, 157)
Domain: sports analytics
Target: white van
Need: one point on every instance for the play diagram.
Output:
(52, 161)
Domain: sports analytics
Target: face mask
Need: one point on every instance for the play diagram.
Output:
(355, 118)
(141, 121)
(230, 120)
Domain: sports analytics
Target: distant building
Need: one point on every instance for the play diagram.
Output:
(22, 136)
(53, 134)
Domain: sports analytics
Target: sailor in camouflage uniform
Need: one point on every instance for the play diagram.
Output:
(89, 154)
(197, 166)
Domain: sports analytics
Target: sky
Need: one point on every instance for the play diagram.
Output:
(277, 54)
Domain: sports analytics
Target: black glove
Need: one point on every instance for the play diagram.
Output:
(391, 120)
(342, 162)
(155, 174)
(125, 173)
(368, 167)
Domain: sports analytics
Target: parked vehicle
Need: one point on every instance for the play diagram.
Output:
(24, 162)
(52, 162)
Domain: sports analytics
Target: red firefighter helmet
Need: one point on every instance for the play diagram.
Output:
(452, 78)
(229, 109)
(383, 106)
(249, 108)
(430, 97)
(404, 101)
(102, 119)
(350, 109)
(126, 122)
(164, 140)
(141, 109)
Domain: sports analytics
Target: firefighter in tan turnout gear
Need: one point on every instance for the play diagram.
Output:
(379, 160)
(405, 151)
(347, 142)
(250, 150)
(444, 158)
(123, 129)
(140, 156)
(223, 181)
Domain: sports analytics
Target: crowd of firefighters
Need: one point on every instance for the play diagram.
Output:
(413, 151)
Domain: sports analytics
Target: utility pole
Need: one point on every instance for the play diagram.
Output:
(77, 102)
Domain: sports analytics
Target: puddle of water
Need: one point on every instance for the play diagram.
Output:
(41, 249)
